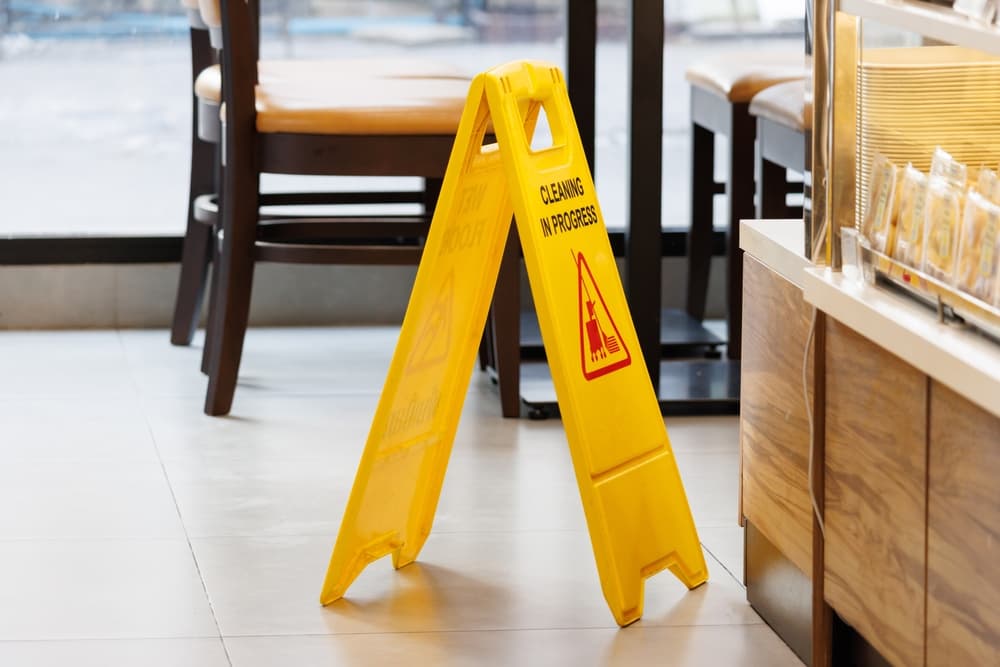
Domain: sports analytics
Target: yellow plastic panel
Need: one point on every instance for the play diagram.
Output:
(636, 509)
(396, 490)
(635, 505)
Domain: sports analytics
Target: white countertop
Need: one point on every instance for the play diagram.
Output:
(959, 358)
(955, 356)
(778, 244)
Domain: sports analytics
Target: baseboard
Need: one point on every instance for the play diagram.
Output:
(81, 296)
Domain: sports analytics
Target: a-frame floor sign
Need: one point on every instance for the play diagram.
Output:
(636, 509)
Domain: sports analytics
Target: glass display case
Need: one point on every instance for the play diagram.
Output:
(908, 147)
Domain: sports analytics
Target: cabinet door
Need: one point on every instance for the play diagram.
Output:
(774, 431)
(876, 493)
(963, 533)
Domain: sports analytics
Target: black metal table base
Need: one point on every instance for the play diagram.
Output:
(687, 387)
(694, 379)
(680, 336)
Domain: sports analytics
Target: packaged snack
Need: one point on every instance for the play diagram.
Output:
(976, 272)
(881, 191)
(909, 243)
(942, 214)
(988, 185)
(946, 167)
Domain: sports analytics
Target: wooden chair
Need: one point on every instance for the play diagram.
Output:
(721, 91)
(784, 116)
(316, 122)
(206, 37)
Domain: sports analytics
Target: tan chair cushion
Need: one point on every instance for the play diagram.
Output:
(740, 76)
(361, 106)
(789, 104)
(211, 12)
(208, 85)
(190, 4)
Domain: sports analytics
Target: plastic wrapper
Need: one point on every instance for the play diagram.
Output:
(943, 165)
(878, 222)
(909, 242)
(942, 215)
(988, 185)
(976, 271)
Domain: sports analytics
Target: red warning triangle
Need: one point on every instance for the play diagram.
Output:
(602, 349)
(431, 345)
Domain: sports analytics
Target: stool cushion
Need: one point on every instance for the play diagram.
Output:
(788, 104)
(208, 85)
(741, 76)
(189, 4)
(211, 12)
(369, 106)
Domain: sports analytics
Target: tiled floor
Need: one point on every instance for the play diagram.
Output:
(136, 531)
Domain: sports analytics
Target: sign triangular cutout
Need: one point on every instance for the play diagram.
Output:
(434, 340)
(602, 348)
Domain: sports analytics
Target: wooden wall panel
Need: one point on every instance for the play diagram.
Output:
(876, 493)
(963, 541)
(773, 425)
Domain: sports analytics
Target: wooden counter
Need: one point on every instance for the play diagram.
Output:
(907, 436)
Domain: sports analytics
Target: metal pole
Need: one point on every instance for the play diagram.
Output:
(645, 165)
(581, 68)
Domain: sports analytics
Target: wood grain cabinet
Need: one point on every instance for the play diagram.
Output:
(963, 533)
(875, 493)
(773, 423)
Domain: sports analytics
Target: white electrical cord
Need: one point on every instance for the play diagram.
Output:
(809, 417)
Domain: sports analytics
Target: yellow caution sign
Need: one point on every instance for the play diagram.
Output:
(633, 498)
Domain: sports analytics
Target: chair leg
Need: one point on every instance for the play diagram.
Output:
(771, 189)
(234, 281)
(507, 326)
(210, 319)
(432, 189)
(740, 190)
(484, 345)
(197, 247)
(699, 246)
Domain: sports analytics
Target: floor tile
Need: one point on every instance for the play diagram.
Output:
(81, 429)
(329, 360)
(725, 543)
(86, 500)
(116, 653)
(463, 581)
(273, 427)
(58, 365)
(704, 434)
(711, 481)
(710, 646)
(103, 589)
(264, 497)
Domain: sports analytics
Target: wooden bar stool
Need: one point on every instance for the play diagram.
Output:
(784, 116)
(721, 91)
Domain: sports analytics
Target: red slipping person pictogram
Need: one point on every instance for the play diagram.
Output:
(602, 349)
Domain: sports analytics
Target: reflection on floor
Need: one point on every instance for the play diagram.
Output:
(136, 531)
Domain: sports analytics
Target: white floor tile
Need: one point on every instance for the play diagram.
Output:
(265, 497)
(101, 589)
(63, 365)
(725, 543)
(711, 481)
(275, 427)
(704, 434)
(86, 500)
(78, 429)
(115, 653)
(107, 464)
(462, 581)
(710, 646)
